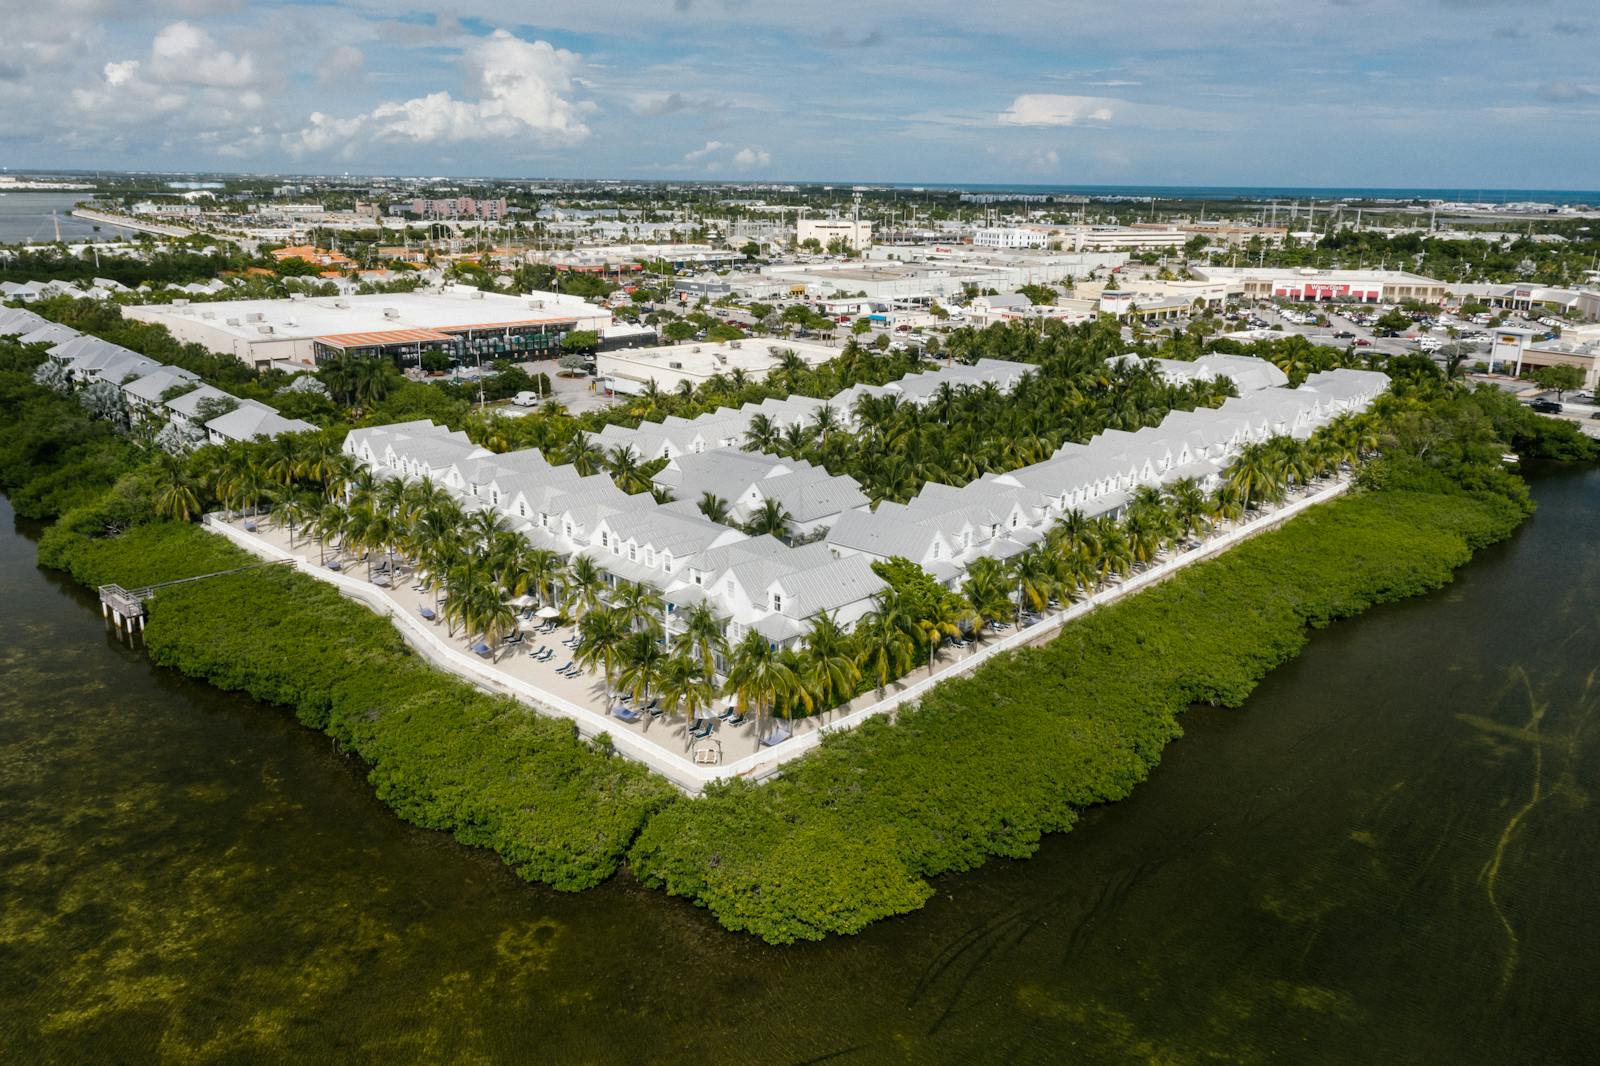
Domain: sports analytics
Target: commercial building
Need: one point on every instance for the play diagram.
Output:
(1347, 286)
(1535, 299)
(1079, 238)
(464, 323)
(856, 235)
(1517, 351)
(629, 370)
(459, 207)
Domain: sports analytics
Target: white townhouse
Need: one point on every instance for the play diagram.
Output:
(811, 496)
(184, 409)
(759, 584)
(252, 419)
(143, 393)
(16, 321)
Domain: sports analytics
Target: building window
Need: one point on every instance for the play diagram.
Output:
(605, 539)
(633, 554)
(697, 580)
(650, 558)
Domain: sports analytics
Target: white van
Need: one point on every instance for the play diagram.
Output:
(526, 399)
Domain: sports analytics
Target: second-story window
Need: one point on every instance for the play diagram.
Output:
(777, 601)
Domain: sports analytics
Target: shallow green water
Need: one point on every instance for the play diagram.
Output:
(1391, 854)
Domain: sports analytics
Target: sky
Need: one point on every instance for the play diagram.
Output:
(1469, 94)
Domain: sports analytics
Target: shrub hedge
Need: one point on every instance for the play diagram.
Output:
(443, 754)
(988, 764)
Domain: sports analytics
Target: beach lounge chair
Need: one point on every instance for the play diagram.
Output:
(656, 710)
(736, 720)
(564, 667)
(725, 714)
(547, 655)
(702, 729)
(514, 638)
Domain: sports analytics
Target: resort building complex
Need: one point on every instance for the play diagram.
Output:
(760, 583)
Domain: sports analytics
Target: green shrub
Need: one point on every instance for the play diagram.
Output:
(988, 764)
(442, 753)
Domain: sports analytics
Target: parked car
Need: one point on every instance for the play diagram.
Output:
(1546, 407)
(1344, 335)
(526, 399)
(1362, 342)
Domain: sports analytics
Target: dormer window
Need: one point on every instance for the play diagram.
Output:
(650, 558)
(633, 554)
(777, 601)
(605, 539)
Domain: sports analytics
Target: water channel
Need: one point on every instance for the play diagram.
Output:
(1390, 854)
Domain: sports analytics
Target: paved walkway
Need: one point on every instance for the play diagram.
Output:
(663, 743)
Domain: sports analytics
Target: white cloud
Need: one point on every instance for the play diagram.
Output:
(710, 149)
(1056, 109)
(185, 54)
(717, 155)
(524, 94)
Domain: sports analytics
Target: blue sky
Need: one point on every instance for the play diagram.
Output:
(1458, 93)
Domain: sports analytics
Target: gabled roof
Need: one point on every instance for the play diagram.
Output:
(151, 385)
(252, 419)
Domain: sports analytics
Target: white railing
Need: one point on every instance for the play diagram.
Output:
(762, 764)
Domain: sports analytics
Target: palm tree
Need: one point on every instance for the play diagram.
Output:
(643, 659)
(758, 676)
(1189, 507)
(289, 511)
(622, 463)
(771, 518)
(640, 606)
(704, 637)
(176, 495)
(987, 589)
(281, 461)
(1036, 577)
(715, 508)
(887, 639)
(327, 524)
(600, 642)
(828, 668)
(761, 435)
(584, 454)
(1255, 476)
(684, 683)
(586, 583)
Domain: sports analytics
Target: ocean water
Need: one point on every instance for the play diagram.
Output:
(1285, 192)
(29, 217)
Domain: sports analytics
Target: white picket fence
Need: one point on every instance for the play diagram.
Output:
(674, 766)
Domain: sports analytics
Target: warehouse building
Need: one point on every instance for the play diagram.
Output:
(465, 323)
(1347, 286)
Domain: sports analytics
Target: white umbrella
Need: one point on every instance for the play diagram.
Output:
(524, 600)
(548, 611)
